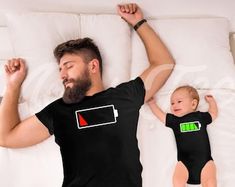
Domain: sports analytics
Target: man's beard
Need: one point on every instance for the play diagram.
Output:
(78, 90)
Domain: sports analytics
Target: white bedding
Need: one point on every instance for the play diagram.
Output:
(124, 58)
(41, 165)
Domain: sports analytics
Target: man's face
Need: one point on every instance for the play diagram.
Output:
(75, 76)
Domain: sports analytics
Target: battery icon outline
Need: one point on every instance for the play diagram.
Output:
(182, 126)
(115, 115)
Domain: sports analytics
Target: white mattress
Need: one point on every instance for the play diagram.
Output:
(40, 165)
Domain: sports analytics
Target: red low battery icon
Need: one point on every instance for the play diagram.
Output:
(96, 116)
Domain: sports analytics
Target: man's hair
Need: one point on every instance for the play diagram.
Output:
(84, 47)
(191, 90)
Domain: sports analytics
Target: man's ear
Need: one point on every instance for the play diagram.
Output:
(94, 66)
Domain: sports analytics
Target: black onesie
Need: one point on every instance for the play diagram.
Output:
(97, 137)
(192, 141)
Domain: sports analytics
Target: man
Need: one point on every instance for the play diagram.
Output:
(95, 128)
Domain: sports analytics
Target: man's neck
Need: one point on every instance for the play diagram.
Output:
(95, 89)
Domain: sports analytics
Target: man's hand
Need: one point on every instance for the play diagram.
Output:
(15, 133)
(15, 72)
(131, 13)
(161, 63)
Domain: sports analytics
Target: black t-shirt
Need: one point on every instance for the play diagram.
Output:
(190, 133)
(97, 136)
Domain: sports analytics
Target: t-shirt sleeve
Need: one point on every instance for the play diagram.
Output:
(133, 90)
(46, 117)
(206, 117)
(170, 120)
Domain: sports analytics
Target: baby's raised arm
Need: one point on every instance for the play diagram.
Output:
(157, 111)
(213, 110)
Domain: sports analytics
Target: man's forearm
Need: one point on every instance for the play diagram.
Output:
(161, 62)
(9, 115)
(156, 50)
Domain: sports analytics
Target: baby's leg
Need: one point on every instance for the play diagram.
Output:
(208, 175)
(180, 176)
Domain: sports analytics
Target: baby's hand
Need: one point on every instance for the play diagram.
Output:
(151, 101)
(208, 98)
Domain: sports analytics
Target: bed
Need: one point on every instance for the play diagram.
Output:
(201, 41)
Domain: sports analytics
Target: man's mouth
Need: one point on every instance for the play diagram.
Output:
(66, 83)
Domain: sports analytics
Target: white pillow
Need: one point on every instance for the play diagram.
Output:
(112, 36)
(200, 48)
(6, 50)
(35, 35)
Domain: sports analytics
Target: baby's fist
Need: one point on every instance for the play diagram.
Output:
(208, 98)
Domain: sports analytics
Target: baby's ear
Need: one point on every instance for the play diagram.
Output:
(194, 104)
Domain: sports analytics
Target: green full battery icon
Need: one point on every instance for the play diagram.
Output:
(190, 126)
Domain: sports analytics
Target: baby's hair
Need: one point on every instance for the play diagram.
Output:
(191, 90)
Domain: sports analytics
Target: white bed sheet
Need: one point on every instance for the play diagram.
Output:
(40, 165)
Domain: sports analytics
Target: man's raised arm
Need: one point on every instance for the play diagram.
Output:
(13, 132)
(161, 61)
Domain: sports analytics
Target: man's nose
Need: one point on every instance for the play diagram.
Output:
(63, 74)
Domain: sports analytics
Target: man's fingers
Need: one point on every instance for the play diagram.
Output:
(130, 6)
(127, 10)
(9, 66)
(22, 64)
(135, 7)
(14, 65)
(121, 8)
(7, 69)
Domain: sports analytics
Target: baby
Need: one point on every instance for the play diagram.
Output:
(195, 164)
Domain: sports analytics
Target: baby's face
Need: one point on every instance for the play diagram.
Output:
(182, 103)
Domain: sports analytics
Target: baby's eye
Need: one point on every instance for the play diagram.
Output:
(172, 103)
(179, 101)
